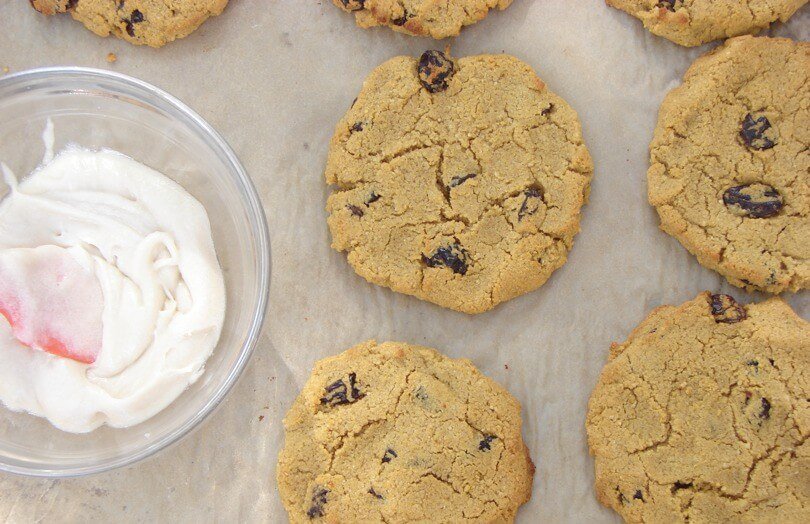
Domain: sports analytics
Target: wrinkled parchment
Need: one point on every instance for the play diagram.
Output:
(274, 77)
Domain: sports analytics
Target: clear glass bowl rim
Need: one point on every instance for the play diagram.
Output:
(165, 102)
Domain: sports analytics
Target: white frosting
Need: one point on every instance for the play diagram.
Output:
(148, 244)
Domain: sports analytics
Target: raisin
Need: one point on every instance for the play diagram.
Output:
(356, 211)
(353, 385)
(753, 132)
(753, 363)
(435, 69)
(726, 310)
(338, 392)
(373, 197)
(318, 502)
(402, 20)
(452, 256)
(530, 203)
(638, 496)
(458, 180)
(353, 5)
(547, 111)
(374, 493)
(356, 127)
(765, 412)
(421, 394)
(669, 5)
(389, 455)
(71, 4)
(484, 445)
(753, 200)
(680, 485)
(135, 17)
(757, 412)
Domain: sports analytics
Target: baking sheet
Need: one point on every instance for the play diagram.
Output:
(274, 77)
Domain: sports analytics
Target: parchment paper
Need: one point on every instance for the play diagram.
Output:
(274, 77)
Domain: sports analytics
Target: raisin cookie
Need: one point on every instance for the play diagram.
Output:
(143, 22)
(695, 22)
(730, 174)
(459, 181)
(398, 433)
(435, 18)
(703, 415)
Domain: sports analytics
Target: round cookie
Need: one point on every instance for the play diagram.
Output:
(703, 415)
(435, 18)
(143, 22)
(730, 163)
(695, 22)
(459, 181)
(398, 433)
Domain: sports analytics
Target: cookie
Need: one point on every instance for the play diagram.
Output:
(459, 181)
(434, 18)
(703, 415)
(143, 22)
(695, 22)
(398, 433)
(730, 163)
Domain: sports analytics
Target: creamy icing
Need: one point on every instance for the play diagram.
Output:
(120, 232)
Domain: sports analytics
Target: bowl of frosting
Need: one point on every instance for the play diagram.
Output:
(134, 271)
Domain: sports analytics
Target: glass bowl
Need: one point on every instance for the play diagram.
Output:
(100, 109)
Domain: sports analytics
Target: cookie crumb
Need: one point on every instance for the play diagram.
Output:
(111, 57)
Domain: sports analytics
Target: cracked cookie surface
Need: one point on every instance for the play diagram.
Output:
(398, 433)
(703, 414)
(730, 163)
(459, 181)
(696, 22)
(143, 22)
(434, 18)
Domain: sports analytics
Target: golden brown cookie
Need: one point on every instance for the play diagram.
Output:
(695, 22)
(435, 18)
(459, 181)
(703, 414)
(730, 173)
(143, 22)
(398, 433)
